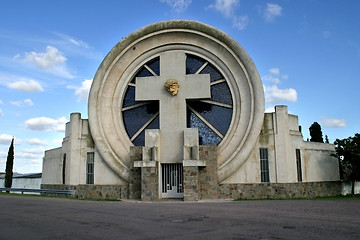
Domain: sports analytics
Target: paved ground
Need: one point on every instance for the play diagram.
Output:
(51, 218)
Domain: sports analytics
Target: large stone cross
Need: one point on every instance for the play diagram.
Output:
(172, 105)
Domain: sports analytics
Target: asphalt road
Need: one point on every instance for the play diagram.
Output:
(53, 218)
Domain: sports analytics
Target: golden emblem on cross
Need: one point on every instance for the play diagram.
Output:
(172, 86)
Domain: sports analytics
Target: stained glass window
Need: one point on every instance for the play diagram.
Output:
(211, 116)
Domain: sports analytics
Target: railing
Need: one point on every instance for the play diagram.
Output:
(41, 191)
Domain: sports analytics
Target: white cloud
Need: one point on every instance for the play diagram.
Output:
(28, 155)
(71, 40)
(46, 60)
(83, 91)
(274, 76)
(58, 141)
(275, 95)
(36, 141)
(270, 110)
(178, 5)
(31, 153)
(5, 139)
(272, 79)
(74, 46)
(240, 22)
(25, 85)
(46, 124)
(1, 113)
(275, 71)
(52, 61)
(38, 150)
(26, 102)
(1, 102)
(17, 103)
(272, 10)
(334, 122)
(227, 9)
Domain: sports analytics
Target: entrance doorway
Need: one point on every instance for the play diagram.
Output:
(172, 180)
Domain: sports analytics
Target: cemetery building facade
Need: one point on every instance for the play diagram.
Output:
(176, 110)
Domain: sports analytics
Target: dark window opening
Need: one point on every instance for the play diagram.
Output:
(90, 168)
(264, 165)
(298, 165)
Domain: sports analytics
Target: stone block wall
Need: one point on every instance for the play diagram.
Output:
(279, 190)
(150, 183)
(93, 191)
(191, 183)
(208, 179)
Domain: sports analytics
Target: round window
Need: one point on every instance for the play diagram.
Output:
(231, 118)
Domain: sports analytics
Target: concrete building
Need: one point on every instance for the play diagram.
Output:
(176, 110)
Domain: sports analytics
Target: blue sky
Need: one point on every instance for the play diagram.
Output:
(307, 54)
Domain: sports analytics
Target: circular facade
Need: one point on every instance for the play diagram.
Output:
(231, 119)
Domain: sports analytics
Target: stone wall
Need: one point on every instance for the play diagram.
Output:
(93, 191)
(150, 183)
(208, 178)
(191, 183)
(279, 190)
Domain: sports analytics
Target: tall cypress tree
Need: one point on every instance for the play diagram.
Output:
(9, 165)
(316, 133)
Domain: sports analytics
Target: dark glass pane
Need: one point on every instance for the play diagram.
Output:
(135, 118)
(221, 93)
(155, 65)
(193, 64)
(140, 140)
(218, 117)
(143, 73)
(214, 74)
(129, 98)
(206, 135)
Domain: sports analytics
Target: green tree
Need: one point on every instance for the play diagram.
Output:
(326, 139)
(316, 133)
(9, 165)
(348, 153)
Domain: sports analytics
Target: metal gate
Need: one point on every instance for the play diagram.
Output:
(172, 180)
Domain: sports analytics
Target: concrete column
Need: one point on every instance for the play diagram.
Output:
(150, 165)
(284, 154)
(135, 174)
(75, 166)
